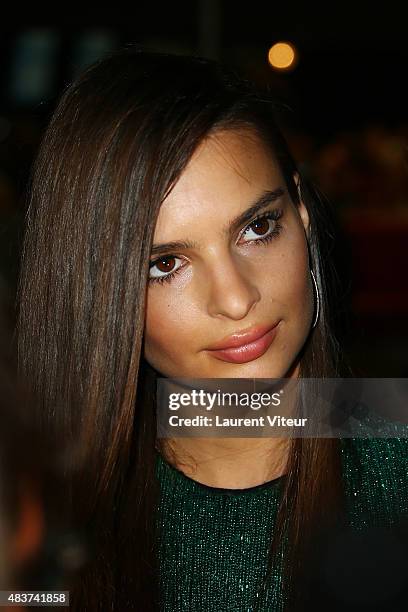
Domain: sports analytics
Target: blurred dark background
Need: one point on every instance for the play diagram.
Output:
(344, 100)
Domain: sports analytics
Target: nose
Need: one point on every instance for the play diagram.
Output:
(232, 294)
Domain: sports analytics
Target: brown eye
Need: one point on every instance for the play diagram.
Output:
(261, 226)
(164, 265)
(264, 228)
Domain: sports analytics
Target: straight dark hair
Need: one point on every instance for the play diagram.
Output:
(34, 528)
(118, 141)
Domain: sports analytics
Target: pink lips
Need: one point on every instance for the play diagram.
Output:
(241, 348)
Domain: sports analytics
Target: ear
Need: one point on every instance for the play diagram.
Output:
(301, 208)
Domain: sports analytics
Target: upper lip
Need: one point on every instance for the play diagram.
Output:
(242, 338)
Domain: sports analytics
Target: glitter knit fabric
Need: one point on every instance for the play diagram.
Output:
(214, 542)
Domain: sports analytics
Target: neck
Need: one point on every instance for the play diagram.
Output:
(229, 463)
(233, 463)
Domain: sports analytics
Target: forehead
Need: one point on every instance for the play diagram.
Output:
(225, 174)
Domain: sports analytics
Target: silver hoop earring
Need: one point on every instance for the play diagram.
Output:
(317, 299)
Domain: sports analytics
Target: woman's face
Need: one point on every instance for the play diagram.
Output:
(233, 275)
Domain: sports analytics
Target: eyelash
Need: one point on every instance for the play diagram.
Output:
(274, 215)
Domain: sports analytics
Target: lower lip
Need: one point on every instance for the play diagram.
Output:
(247, 352)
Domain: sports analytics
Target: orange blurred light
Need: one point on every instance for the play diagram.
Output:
(282, 56)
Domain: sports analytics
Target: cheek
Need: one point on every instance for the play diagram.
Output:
(289, 281)
(298, 282)
(165, 330)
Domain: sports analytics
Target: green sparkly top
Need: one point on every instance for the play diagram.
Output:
(214, 542)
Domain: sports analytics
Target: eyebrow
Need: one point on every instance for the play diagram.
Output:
(266, 198)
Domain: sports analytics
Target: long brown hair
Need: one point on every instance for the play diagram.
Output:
(119, 139)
